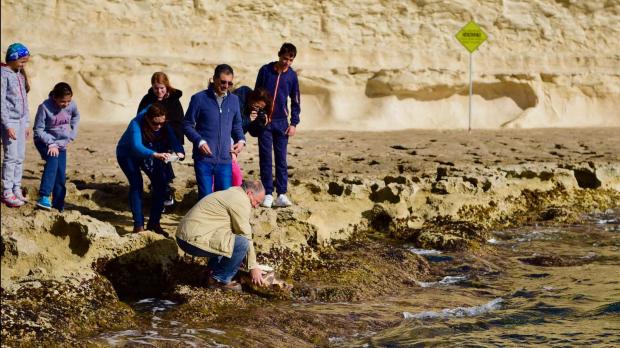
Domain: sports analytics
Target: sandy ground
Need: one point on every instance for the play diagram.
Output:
(92, 165)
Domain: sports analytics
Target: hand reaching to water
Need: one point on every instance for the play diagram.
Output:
(257, 276)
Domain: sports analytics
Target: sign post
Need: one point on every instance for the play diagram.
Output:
(471, 36)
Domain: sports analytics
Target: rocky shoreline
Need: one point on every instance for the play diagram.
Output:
(360, 197)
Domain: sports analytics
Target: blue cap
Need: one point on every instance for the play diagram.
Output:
(16, 51)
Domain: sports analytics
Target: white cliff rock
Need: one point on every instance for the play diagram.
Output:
(363, 65)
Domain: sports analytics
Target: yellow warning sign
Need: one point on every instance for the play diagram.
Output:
(471, 36)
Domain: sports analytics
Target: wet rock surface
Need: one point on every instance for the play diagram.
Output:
(551, 261)
(47, 313)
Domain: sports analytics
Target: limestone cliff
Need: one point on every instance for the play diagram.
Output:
(363, 65)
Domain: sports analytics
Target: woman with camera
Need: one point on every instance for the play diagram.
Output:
(253, 106)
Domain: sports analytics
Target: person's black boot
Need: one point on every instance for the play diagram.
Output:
(157, 229)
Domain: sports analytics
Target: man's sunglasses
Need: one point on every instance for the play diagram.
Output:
(226, 83)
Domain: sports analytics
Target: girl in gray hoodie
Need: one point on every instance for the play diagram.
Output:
(15, 119)
(55, 126)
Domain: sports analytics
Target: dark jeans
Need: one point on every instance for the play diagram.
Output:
(212, 177)
(273, 137)
(54, 176)
(224, 268)
(132, 169)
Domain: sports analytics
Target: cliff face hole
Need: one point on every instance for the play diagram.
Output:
(384, 194)
(521, 93)
(78, 242)
(378, 218)
(398, 180)
(586, 179)
(335, 189)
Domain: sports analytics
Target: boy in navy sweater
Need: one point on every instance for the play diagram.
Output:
(281, 81)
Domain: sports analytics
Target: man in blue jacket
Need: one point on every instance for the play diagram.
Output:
(212, 117)
(281, 81)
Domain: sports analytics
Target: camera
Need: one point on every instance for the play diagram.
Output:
(261, 117)
(257, 126)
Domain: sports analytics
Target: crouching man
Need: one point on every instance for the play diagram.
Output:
(218, 227)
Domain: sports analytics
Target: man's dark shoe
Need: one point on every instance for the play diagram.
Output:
(232, 286)
(157, 229)
(137, 229)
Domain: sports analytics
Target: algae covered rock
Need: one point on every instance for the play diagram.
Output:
(358, 269)
(46, 313)
(442, 234)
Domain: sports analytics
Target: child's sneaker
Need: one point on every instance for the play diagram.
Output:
(282, 201)
(20, 195)
(44, 202)
(11, 201)
(268, 201)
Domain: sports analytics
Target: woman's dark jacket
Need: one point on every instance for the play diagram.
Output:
(174, 110)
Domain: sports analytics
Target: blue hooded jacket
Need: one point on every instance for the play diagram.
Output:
(280, 86)
(205, 120)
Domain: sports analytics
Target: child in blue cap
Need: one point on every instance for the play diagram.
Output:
(15, 123)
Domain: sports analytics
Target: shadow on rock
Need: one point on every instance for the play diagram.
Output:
(79, 243)
(105, 194)
(145, 272)
(106, 215)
